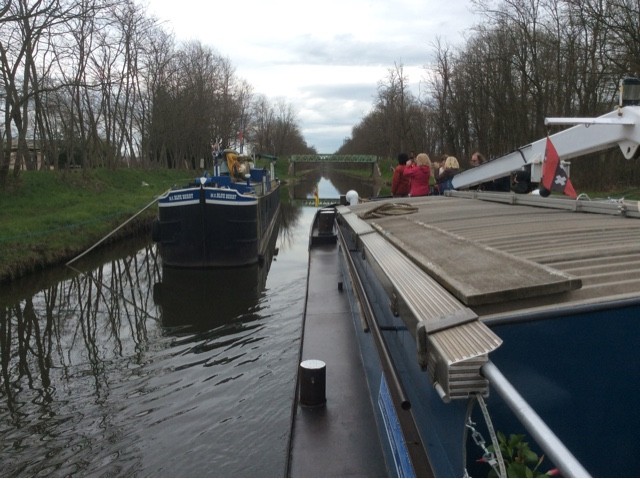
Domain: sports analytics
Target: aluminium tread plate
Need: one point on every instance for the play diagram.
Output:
(426, 299)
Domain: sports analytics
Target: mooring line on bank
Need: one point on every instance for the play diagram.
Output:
(90, 275)
(119, 227)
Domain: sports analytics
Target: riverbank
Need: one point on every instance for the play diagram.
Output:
(50, 217)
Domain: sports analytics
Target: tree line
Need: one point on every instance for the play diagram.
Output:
(526, 60)
(100, 83)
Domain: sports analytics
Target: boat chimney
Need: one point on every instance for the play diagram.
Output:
(313, 380)
(629, 91)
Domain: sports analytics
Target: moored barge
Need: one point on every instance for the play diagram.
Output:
(219, 220)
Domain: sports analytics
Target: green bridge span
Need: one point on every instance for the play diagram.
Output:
(370, 160)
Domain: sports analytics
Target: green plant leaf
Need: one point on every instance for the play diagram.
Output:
(516, 469)
(530, 456)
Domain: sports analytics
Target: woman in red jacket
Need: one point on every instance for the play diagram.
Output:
(419, 175)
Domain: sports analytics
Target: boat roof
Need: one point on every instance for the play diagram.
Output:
(503, 254)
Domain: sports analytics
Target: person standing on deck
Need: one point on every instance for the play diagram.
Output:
(451, 169)
(419, 175)
(499, 184)
(400, 185)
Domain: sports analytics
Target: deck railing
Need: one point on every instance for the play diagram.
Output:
(544, 436)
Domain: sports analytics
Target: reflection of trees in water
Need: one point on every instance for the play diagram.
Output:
(76, 321)
(341, 180)
(58, 346)
(87, 320)
(74, 360)
(26, 351)
(290, 216)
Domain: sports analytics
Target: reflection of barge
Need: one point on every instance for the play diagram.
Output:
(220, 220)
(207, 297)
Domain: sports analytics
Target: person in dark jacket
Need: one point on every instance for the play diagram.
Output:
(400, 184)
(499, 184)
(522, 181)
(451, 168)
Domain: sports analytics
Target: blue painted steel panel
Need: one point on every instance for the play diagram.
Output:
(581, 374)
(401, 458)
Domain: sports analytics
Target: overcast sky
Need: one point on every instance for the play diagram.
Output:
(325, 57)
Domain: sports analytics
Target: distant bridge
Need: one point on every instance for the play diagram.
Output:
(371, 160)
(312, 201)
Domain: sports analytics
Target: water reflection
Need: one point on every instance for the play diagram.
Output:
(333, 184)
(121, 368)
(57, 345)
(47, 328)
(202, 299)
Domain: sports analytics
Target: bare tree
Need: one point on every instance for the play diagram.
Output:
(22, 26)
(528, 59)
(263, 126)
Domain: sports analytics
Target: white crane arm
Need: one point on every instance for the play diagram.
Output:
(620, 127)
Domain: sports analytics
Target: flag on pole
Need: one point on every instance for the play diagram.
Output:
(315, 195)
(554, 177)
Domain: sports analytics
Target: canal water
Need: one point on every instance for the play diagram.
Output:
(120, 367)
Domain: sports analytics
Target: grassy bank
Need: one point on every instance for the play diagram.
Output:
(49, 217)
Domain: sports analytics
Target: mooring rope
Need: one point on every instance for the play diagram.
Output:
(118, 228)
(389, 209)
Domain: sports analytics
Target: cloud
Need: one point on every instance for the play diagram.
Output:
(347, 50)
(325, 58)
(328, 114)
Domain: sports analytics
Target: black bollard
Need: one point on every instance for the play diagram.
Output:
(313, 380)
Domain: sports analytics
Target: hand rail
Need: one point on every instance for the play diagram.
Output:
(544, 436)
(415, 446)
(385, 356)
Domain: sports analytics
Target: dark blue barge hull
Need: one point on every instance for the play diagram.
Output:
(207, 226)
(480, 316)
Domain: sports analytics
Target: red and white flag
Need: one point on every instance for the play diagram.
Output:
(554, 177)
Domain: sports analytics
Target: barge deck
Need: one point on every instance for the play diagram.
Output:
(338, 439)
(526, 306)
